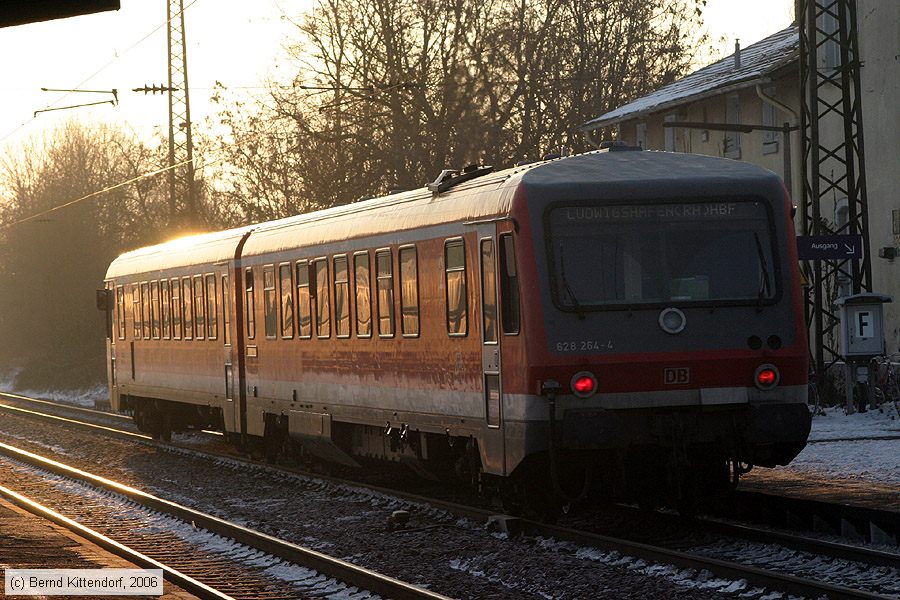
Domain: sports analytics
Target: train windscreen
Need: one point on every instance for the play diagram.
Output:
(604, 256)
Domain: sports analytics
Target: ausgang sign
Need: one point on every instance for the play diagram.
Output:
(829, 247)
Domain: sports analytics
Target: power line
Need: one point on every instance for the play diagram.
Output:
(97, 72)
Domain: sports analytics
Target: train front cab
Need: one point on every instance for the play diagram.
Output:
(671, 345)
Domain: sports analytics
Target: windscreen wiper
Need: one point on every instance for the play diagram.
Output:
(765, 286)
(562, 275)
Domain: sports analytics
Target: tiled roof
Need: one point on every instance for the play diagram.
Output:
(757, 61)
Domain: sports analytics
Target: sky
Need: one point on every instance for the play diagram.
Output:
(238, 43)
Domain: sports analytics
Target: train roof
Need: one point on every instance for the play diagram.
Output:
(486, 197)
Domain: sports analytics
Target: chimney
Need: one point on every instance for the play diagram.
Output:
(737, 54)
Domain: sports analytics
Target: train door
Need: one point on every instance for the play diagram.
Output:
(494, 451)
(230, 414)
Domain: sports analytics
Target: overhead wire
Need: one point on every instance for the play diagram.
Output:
(118, 56)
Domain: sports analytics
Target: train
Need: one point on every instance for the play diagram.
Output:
(620, 322)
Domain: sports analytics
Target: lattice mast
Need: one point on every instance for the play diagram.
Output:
(182, 188)
(833, 160)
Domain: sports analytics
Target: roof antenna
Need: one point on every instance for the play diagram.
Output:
(737, 53)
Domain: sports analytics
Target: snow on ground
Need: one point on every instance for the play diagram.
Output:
(842, 446)
(83, 397)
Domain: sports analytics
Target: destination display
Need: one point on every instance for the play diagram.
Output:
(693, 211)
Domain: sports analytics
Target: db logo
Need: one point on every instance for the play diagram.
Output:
(677, 375)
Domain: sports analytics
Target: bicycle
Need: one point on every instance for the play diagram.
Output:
(885, 384)
(812, 397)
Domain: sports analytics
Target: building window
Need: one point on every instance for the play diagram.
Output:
(199, 309)
(270, 303)
(509, 286)
(488, 292)
(732, 140)
(341, 298)
(385, 290)
(304, 314)
(323, 308)
(250, 308)
(363, 295)
(212, 329)
(640, 135)
(455, 278)
(286, 283)
(831, 30)
(120, 311)
(187, 303)
(176, 309)
(409, 292)
(669, 134)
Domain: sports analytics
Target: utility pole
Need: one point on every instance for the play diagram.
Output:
(182, 188)
(834, 165)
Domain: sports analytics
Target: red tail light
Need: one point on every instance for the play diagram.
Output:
(766, 377)
(584, 384)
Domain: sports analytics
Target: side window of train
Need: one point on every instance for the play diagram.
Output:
(199, 309)
(250, 307)
(409, 292)
(363, 295)
(120, 311)
(270, 304)
(488, 292)
(286, 283)
(226, 310)
(304, 315)
(212, 322)
(136, 310)
(385, 289)
(323, 310)
(187, 301)
(455, 279)
(166, 309)
(177, 310)
(154, 309)
(509, 286)
(145, 309)
(341, 297)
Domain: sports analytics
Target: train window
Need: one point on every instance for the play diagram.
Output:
(154, 309)
(251, 309)
(136, 310)
(187, 308)
(323, 310)
(488, 292)
(145, 309)
(287, 301)
(176, 308)
(304, 315)
(199, 309)
(509, 286)
(409, 292)
(226, 310)
(385, 289)
(270, 304)
(455, 278)
(166, 309)
(120, 311)
(363, 295)
(341, 297)
(212, 329)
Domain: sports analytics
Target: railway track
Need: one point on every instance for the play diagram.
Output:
(196, 551)
(670, 555)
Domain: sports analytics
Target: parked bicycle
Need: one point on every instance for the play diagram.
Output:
(884, 381)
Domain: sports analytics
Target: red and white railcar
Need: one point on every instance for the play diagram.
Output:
(617, 312)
